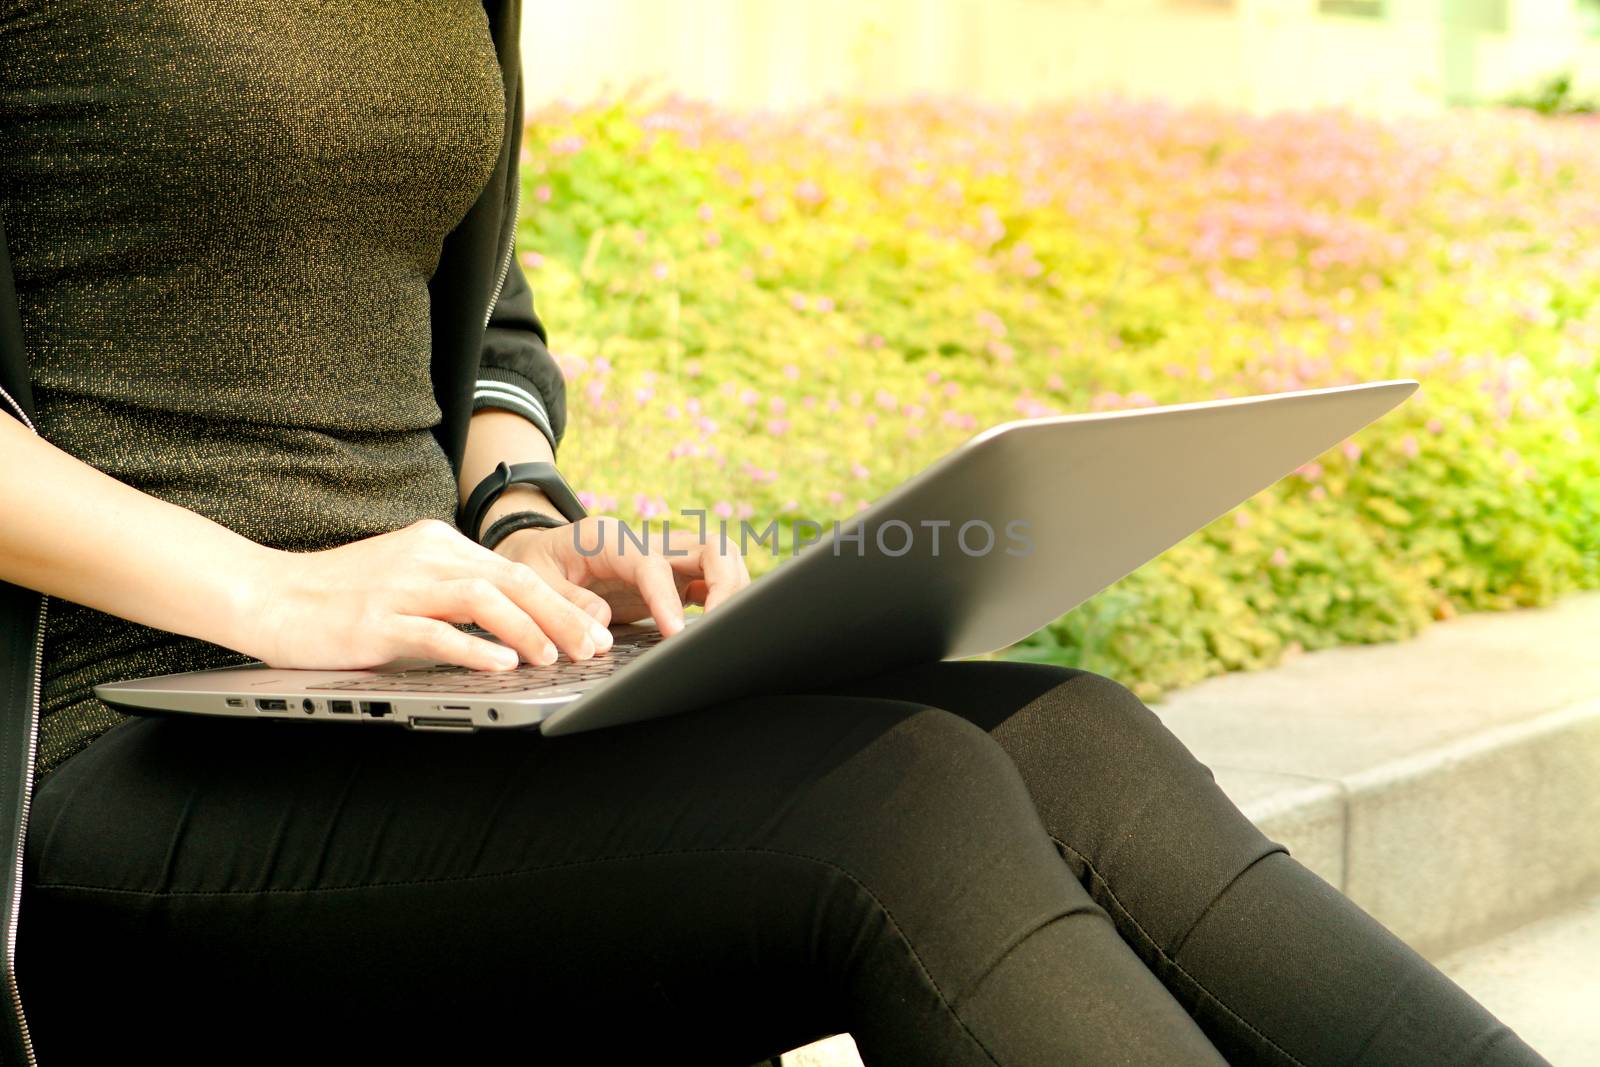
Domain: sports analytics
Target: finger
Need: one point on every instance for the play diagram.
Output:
(590, 602)
(724, 573)
(694, 592)
(480, 601)
(425, 638)
(575, 631)
(652, 576)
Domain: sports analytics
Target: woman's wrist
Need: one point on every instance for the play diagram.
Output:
(516, 498)
(251, 598)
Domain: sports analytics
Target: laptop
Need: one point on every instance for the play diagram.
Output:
(1001, 536)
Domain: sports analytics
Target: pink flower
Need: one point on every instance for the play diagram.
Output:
(1409, 447)
(659, 270)
(859, 470)
(542, 194)
(1280, 558)
(791, 372)
(777, 427)
(722, 510)
(1351, 450)
(531, 260)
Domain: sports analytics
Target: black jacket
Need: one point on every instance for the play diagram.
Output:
(488, 351)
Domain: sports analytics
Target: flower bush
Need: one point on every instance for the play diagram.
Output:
(784, 315)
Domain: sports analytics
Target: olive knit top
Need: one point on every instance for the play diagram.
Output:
(223, 217)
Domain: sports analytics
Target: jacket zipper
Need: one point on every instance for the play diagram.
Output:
(13, 994)
(511, 250)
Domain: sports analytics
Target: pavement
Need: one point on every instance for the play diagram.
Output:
(1449, 784)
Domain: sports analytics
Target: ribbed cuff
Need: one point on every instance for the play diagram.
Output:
(512, 392)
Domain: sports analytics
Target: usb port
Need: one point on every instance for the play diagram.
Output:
(376, 708)
(342, 707)
(266, 704)
(235, 702)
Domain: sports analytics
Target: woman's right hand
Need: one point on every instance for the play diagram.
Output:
(395, 595)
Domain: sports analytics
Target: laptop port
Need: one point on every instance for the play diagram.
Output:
(439, 722)
(308, 706)
(342, 707)
(376, 708)
(235, 702)
(268, 704)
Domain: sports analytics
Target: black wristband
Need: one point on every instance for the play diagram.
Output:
(506, 525)
(543, 476)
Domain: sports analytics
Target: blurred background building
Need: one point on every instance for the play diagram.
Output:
(1378, 56)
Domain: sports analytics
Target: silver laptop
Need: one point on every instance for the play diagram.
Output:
(1006, 533)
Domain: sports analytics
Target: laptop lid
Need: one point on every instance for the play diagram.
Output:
(1001, 536)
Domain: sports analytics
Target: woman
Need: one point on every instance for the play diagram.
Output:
(262, 310)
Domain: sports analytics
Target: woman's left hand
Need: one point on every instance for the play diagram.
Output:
(616, 581)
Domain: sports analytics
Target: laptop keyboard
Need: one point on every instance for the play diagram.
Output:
(449, 678)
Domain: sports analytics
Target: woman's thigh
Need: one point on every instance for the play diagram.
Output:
(737, 880)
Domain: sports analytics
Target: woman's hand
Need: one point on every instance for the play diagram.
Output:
(614, 580)
(394, 595)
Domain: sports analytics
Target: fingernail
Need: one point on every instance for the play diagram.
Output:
(600, 635)
(547, 655)
(506, 657)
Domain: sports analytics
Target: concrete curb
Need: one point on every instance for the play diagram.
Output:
(1458, 842)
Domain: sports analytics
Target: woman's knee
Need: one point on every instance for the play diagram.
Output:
(916, 793)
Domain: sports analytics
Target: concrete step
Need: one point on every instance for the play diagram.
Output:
(1450, 785)
(1542, 980)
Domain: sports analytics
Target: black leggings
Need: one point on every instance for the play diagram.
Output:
(968, 863)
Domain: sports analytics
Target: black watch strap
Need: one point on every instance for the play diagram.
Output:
(544, 476)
